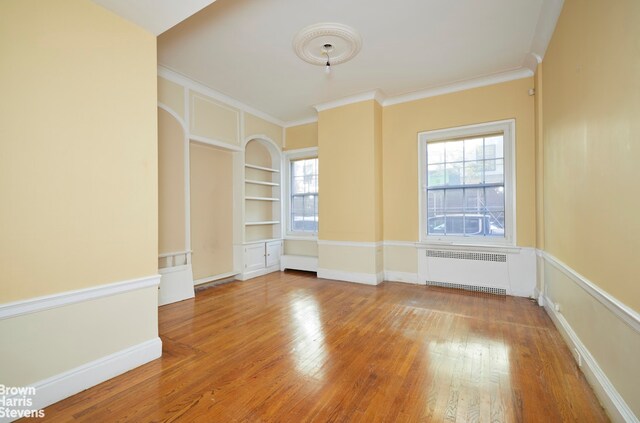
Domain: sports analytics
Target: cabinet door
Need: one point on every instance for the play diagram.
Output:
(253, 257)
(273, 253)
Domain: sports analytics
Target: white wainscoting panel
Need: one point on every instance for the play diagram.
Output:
(616, 407)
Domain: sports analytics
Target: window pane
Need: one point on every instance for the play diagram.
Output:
(435, 152)
(454, 151)
(495, 210)
(473, 172)
(473, 224)
(453, 174)
(297, 205)
(297, 185)
(454, 224)
(494, 171)
(297, 168)
(436, 225)
(494, 198)
(435, 203)
(297, 213)
(453, 201)
(309, 168)
(493, 147)
(473, 149)
(473, 200)
(435, 175)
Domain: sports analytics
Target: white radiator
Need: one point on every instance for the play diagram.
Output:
(512, 272)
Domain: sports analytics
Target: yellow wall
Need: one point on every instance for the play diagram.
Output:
(171, 189)
(253, 125)
(347, 139)
(591, 144)
(211, 210)
(302, 136)
(78, 180)
(78, 142)
(403, 122)
(590, 150)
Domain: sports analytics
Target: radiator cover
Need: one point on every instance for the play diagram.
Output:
(503, 273)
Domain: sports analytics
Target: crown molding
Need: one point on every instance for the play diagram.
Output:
(377, 95)
(547, 20)
(300, 122)
(482, 81)
(175, 76)
(531, 62)
(357, 98)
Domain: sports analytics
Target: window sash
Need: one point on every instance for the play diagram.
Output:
(308, 179)
(488, 153)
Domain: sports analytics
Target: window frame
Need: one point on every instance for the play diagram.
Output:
(507, 127)
(289, 157)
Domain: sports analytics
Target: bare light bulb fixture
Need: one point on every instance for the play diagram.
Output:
(326, 49)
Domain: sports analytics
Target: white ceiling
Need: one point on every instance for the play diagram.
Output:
(156, 16)
(243, 48)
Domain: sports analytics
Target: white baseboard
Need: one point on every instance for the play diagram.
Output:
(307, 263)
(612, 401)
(213, 278)
(364, 278)
(538, 296)
(406, 277)
(71, 382)
(255, 273)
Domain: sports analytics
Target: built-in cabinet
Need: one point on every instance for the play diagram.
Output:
(261, 258)
(262, 244)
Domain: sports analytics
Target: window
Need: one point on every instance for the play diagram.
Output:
(467, 184)
(302, 217)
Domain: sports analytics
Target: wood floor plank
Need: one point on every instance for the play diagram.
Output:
(288, 347)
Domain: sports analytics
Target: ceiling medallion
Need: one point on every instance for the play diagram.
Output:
(327, 44)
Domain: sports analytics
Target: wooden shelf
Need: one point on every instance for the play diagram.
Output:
(266, 169)
(271, 184)
(265, 222)
(262, 198)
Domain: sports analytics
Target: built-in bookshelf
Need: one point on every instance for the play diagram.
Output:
(262, 193)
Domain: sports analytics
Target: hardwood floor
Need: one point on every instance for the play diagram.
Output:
(288, 347)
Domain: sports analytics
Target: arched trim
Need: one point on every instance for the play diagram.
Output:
(176, 117)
